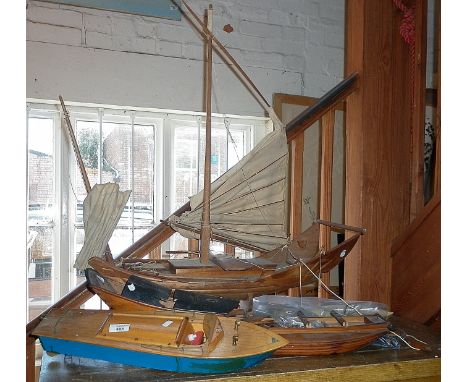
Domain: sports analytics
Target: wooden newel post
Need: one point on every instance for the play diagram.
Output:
(205, 227)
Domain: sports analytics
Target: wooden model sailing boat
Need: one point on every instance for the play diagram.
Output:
(245, 207)
(183, 342)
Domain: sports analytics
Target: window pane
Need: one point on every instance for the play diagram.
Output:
(218, 152)
(117, 167)
(237, 146)
(144, 177)
(185, 163)
(87, 136)
(41, 208)
(78, 244)
(116, 146)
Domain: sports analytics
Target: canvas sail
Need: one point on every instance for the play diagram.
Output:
(102, 209)
(248, 203)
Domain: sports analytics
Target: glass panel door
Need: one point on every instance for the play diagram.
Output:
(41, 210)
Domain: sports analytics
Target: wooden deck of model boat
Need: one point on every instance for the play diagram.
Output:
(346, 334)
(238, 284)
(174, 341)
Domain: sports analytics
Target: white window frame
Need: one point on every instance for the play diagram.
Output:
(64, 276)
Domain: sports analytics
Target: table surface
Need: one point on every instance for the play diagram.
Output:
(370, 362)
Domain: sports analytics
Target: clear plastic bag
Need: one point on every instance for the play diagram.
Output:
(284, 309)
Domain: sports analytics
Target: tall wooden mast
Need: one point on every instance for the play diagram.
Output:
(205, 227)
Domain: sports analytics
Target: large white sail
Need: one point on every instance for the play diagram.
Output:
(248, 203)
(102, 208)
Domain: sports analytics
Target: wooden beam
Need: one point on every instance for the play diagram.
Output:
(326, 189)
(230, 249)
(205, 235)
(295, 209)
(437, 168)
(330, 100)
(416, 267)
(378, 144)
(418, 107)
(30, 359)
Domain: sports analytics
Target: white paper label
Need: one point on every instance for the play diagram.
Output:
(167, 323)
(114, 328)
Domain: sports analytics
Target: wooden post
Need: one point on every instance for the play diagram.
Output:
(193, 246)
(230, 249)
(30, 359)
(155, 254)
(418, 108)
(326, 190)
(438, 73)
(378, 144)
(205, 228)
(295, 222)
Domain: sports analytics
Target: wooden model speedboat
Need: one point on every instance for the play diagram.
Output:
(184, 342)
(329, 335)
(140, 294)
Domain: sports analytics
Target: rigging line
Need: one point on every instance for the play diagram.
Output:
(300, 282)
(72, 188)
(323, 284)
(406, 342)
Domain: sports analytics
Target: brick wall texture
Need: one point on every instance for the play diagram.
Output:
(299, 36)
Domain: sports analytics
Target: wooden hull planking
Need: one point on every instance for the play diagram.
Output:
(314, 344)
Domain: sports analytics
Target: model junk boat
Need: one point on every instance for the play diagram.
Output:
(184, 342)
(246, 207)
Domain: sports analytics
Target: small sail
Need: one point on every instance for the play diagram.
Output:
(102, 209)
(248, 203)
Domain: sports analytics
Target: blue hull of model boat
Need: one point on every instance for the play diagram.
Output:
(153, 361)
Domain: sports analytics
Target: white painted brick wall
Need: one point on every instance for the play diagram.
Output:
(293, 46)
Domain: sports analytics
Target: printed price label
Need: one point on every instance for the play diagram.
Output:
(114, 328)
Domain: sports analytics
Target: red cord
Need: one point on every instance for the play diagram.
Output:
(408, 24)
(408, 32)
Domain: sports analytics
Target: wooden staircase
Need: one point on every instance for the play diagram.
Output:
(416, 270)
